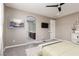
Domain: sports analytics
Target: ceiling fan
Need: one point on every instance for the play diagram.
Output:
(58, 6)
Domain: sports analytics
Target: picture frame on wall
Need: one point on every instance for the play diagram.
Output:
(16, 23)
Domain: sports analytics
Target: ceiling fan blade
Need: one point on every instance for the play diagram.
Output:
(59, 9)
(52, 6)
(62, 3)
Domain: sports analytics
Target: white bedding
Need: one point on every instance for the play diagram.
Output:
(64, 48)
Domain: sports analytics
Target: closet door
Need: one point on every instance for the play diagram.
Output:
(52, 29)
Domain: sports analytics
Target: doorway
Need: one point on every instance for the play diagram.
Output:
(31, 27)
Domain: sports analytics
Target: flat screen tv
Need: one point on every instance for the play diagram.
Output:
(44, 25)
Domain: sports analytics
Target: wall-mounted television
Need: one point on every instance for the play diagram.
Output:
(44, 25)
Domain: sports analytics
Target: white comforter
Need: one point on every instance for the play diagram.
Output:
(64, 48)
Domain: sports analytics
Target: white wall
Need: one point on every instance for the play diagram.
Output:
(52, 29)
(64, 26)
(42, 33)
(1, 28)
(20, 34)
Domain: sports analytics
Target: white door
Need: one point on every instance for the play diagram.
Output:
(52, 29)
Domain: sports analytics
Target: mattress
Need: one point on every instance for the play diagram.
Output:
(64, 48)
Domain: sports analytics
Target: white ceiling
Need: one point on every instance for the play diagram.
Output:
(40, 8)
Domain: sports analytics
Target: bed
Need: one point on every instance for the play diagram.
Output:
(63, 48)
